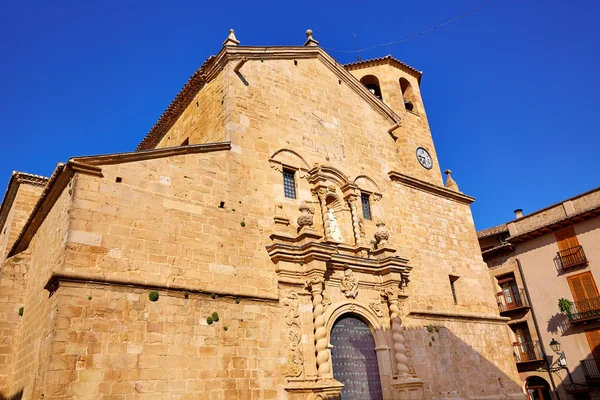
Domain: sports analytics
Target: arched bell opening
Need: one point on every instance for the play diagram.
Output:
(372, 84)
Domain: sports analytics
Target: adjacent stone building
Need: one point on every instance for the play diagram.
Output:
(534, 261)
(282, 232)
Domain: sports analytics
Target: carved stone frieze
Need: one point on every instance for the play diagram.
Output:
(292, 320)
(375, 306)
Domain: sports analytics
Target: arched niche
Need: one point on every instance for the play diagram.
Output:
(372, 84)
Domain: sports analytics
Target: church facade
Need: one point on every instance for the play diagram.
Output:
(282, 232)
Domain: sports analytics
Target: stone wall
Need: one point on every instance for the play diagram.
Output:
(204, 119)
(113, 341)
(37, 326)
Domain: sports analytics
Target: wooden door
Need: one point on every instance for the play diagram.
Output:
(569, 252)
(584, 291)
(524, 344)
(593, 338)
(510, 294)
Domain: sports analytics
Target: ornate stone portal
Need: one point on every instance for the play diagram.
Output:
(312, 262)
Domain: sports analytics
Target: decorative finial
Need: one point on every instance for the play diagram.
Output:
(450, 183)
(309, 39)
(231, 39)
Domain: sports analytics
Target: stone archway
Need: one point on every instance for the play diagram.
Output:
(354, 359)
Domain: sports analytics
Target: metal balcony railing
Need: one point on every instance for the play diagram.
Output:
(583, 310)
(516, 300)
(591, 369)
(570, 258)
(527, 351)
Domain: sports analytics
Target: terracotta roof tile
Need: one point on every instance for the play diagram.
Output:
(494, 230)
(388, 57)
(170, 115)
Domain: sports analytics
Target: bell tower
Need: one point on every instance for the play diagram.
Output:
(398, 86)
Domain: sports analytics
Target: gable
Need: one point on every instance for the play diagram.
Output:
(231, 56)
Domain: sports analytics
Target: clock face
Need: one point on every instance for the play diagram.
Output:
(424, 158)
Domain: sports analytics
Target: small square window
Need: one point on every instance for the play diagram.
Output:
(289, 184)
(366, 206)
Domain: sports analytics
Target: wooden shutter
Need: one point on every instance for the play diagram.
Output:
(583, 286)
(566, 239)
(593, 337)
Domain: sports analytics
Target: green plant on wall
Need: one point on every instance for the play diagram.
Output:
(565, 305)
(153, 295)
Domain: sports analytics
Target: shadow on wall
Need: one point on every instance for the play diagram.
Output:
(448, 366)
(559, 324)
(17, 396)
(457, 369)
(588, 368)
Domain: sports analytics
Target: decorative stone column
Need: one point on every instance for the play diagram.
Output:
(397, 337)
(322, 194)
(315, 286)
(404, 385)
(353, 202)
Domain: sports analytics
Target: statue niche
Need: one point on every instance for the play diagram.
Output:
(337, 220)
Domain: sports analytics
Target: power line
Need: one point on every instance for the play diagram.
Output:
(418, 34)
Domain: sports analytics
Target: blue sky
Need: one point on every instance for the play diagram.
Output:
(511, 90)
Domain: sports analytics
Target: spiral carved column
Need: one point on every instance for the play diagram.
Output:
(397, 337)
(355, 219)
(315, 285)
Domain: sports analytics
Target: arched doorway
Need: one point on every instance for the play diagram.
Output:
(354, 359)
(537, 388)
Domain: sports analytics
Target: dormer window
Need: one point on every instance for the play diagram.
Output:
(372, 84)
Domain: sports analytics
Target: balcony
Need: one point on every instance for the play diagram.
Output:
(590, 368)
(527, 351)
(585, 310)
(517, 300)
(570, 258)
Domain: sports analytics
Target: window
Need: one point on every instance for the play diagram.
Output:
(453, 279)
(366, 206)
(289, 184)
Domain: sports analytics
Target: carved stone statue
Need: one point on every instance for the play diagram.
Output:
(349, 284)
(334, 229)
(306, 218)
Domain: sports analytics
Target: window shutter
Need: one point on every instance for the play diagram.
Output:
(589, 285)
(583, 286)
(566, 239)
(577, 289)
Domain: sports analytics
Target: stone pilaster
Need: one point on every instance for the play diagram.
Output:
(353, 202)
(322, 194)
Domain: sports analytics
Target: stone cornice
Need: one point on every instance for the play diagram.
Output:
(459, 316)
(430, 188)
(16, 180)
(54, 283)
(142, 155)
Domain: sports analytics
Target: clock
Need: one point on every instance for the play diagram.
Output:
(424, 158)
